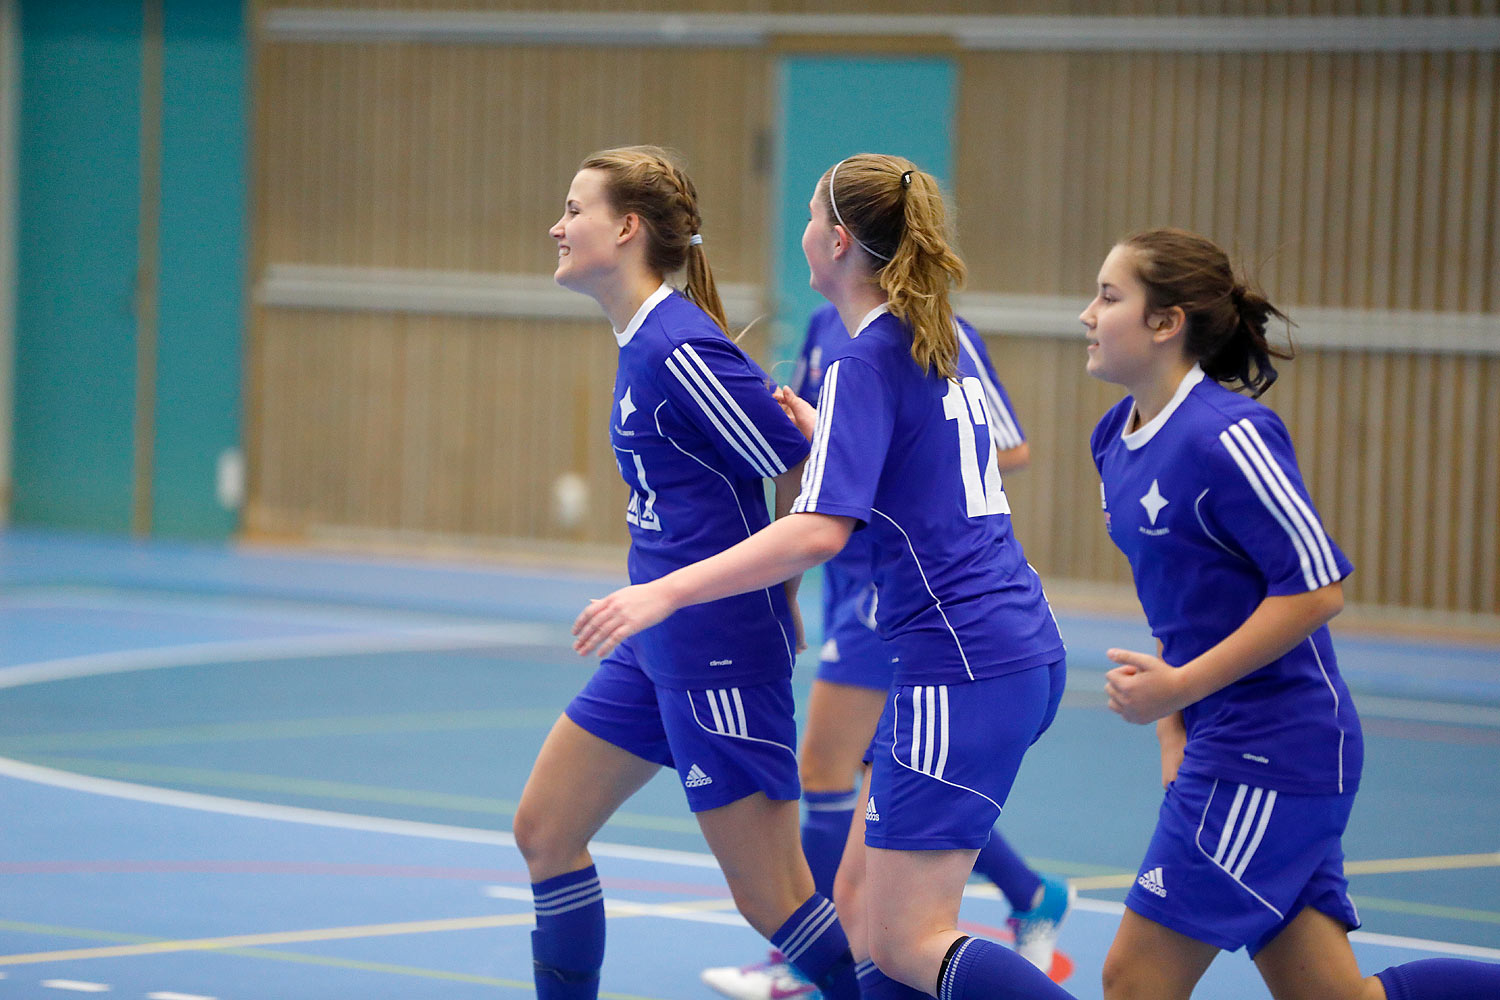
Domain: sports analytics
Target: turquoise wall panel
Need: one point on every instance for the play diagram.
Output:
(205, 130)
(77, 219)
(832, 107)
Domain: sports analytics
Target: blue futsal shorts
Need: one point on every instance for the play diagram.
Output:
(945, 756)
(726, 743)
(1232, 865)
(853, 652)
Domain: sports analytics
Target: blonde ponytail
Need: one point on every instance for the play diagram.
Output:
(896, 214)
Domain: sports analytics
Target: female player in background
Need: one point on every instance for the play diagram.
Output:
(695, 432)
(848, 696)
(1260, 742)
(903, 449)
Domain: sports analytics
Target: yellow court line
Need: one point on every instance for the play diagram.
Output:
(1439, 862)
(259, 940)
(1385, 866)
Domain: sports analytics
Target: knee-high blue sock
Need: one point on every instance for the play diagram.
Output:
(1004, 867)
(567, 947)
(1441, 979)
(814, 943)
(825, 828)
(976, 969)
(876, 985)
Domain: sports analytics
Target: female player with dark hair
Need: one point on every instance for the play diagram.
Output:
(848, 695)
(1260, 742)
(695, 433)
(903, 447)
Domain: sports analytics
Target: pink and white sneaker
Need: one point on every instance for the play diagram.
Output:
(773, 979)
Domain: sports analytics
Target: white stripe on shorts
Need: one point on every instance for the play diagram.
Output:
(1246, 822)
(929, 729)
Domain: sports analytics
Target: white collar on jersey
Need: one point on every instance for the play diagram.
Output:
(652, 301)
(870, 317)
(1141, 436)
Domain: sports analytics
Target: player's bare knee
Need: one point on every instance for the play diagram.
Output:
(544, 848)
(848, 891)
(894, 955)
(1121, 975)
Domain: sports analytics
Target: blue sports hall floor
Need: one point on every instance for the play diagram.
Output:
(259, 774)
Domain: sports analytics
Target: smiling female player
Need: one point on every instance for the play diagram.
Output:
(1260, 742)
(903, 448)
(695, 433)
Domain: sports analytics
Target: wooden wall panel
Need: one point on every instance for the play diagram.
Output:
(431, 425)
(1376, 436)
(1276, 8)
(457, 157)
(1362, 181)
(1346, 180)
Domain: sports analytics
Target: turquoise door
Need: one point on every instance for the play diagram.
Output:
(830, 108)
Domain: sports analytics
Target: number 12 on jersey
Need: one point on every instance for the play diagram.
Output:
(983, 493)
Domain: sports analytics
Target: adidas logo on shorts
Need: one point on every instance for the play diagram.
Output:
(871, 814)
(696, 778)
(1152, 883)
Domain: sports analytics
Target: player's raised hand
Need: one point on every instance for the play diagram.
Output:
(1143, 688)
(798, 409)
(605, 623)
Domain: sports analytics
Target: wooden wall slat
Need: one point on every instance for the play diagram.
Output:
(1356, 181)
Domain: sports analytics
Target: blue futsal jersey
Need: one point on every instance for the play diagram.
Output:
(911, 456)
(695, 430)
(848, 576)
(1207, 503)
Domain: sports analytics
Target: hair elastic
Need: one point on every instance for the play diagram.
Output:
(906, 179)
(833, 205)
(695, 240)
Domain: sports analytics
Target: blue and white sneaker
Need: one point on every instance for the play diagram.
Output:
(1036, 929)
(773, 979)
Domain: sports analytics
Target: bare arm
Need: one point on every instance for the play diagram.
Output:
(788, 485)
(1145, 688)
(1013, 459)
(776, 553)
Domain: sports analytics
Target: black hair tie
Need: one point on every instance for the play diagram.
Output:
(906, 179)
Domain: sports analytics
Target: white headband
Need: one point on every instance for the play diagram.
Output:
(831, 204)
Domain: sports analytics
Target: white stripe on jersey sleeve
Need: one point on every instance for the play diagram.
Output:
(723, 412)
(1314, 525)
(757, 439)
(1004, 430)
(1312, 576)
(812, 473)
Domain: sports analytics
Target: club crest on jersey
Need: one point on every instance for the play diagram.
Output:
(1153, 501)
(627, 407)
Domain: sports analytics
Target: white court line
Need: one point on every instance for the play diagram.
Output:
(75, 986)
(200, 654)
(221, 606)
(411, 828)
(317, 817)
(698, 911)
(176, 996)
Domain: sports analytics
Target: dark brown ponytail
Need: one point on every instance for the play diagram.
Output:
(1226, 318)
